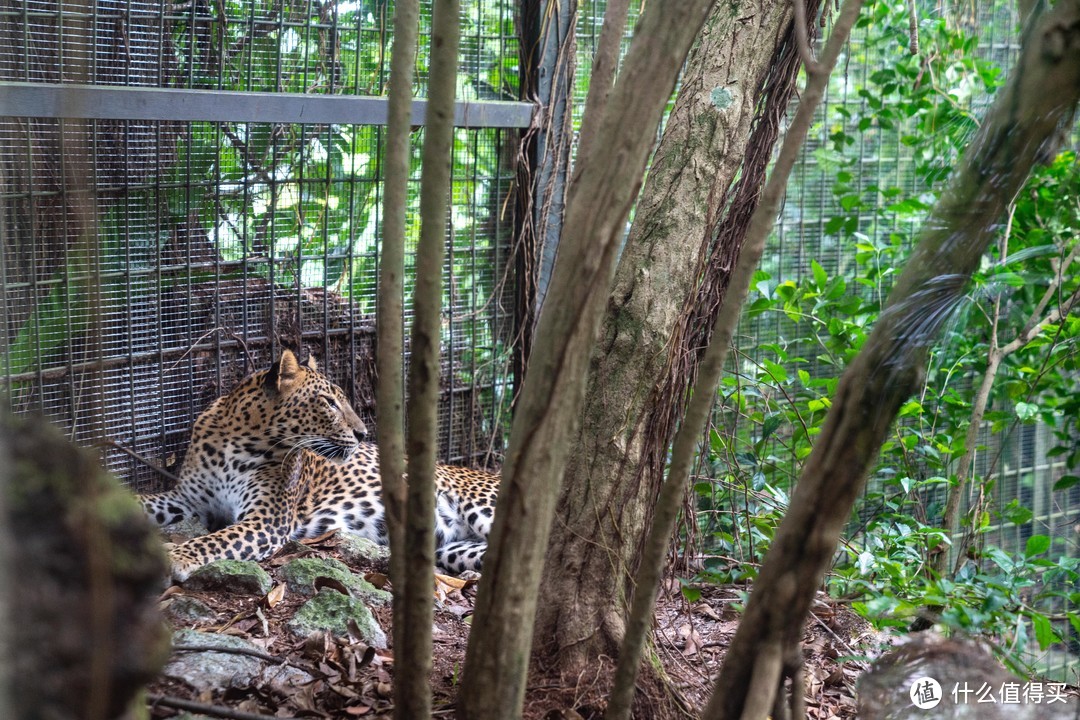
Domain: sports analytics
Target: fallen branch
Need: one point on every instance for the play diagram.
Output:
(251, 652)
(205, 709)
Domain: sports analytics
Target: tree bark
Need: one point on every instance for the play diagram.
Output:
(410, 689)
(673, 489)
(424, 363)
(1043, 90)
(687, 232)
(604, 187)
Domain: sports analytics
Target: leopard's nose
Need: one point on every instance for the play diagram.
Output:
(360, 433)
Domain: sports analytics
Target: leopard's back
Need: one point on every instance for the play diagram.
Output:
(348, 495)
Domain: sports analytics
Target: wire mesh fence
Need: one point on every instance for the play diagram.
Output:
(149, 264)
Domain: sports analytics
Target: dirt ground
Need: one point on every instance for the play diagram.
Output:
(346, 679)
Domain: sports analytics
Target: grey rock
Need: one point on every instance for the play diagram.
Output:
(208, 670)
(886, 691)
(358, 550)
(184, 608)
(187, 528)
(238, 577)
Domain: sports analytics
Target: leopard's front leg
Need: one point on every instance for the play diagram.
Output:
(264, 524)
(253, 539)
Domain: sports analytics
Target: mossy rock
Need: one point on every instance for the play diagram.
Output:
(237, 577)
(300, 575)
(331, 611)
(358, 550)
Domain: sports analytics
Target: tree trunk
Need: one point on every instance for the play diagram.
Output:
(1042, 91)
(410, 690)
(686, 235)
(603, 190)
(422, 431)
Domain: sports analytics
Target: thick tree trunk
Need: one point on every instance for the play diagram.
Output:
(602, 192)
(690, 216)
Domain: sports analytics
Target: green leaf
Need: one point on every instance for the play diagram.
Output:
(1067, 481)
(911, 407)
(1044, 631)
(1026, 412)
(691, 594)
(771, 424)
(820, 276)
(1031, 252)
(1036, 545)
(1016, 513)
(777, 371)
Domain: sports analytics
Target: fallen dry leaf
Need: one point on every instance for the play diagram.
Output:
(379, 580)
(329, 582)
(276, 595)
(321, 538)
(692, 640)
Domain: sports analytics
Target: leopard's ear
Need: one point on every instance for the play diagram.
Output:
(285, 373)
(311, 364)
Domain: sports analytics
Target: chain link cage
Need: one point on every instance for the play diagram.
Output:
(190, 187)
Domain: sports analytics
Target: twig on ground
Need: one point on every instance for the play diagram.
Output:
(252, 652)
(205, 709)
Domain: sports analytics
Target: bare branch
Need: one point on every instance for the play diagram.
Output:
(605, 64)
(803, 38)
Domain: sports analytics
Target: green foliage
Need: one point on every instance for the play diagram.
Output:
(919, 114)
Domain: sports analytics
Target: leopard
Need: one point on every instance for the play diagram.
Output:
(284, 456)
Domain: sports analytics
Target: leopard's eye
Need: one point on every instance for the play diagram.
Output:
(332, 403)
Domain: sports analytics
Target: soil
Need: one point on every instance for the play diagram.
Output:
(354, 681)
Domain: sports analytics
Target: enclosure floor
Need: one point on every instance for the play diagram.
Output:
(691, 640)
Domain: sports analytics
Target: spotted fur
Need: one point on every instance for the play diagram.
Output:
(282, 457)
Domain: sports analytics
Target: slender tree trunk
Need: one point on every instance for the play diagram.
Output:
(410, 689)
(7, 647)
(604, 187)
(687, 232)
(964, 468)
(1042, 90)
(424, 361)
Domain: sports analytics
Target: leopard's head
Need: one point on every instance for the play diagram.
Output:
(309, 411)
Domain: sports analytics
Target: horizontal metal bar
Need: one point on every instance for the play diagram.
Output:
(102, 102)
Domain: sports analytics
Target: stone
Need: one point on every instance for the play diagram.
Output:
(927, 669)
(300, 575)
(184, 608)
(237, 577)
(331, 611)
(358, 550)
(184, 530)
(209, 670)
